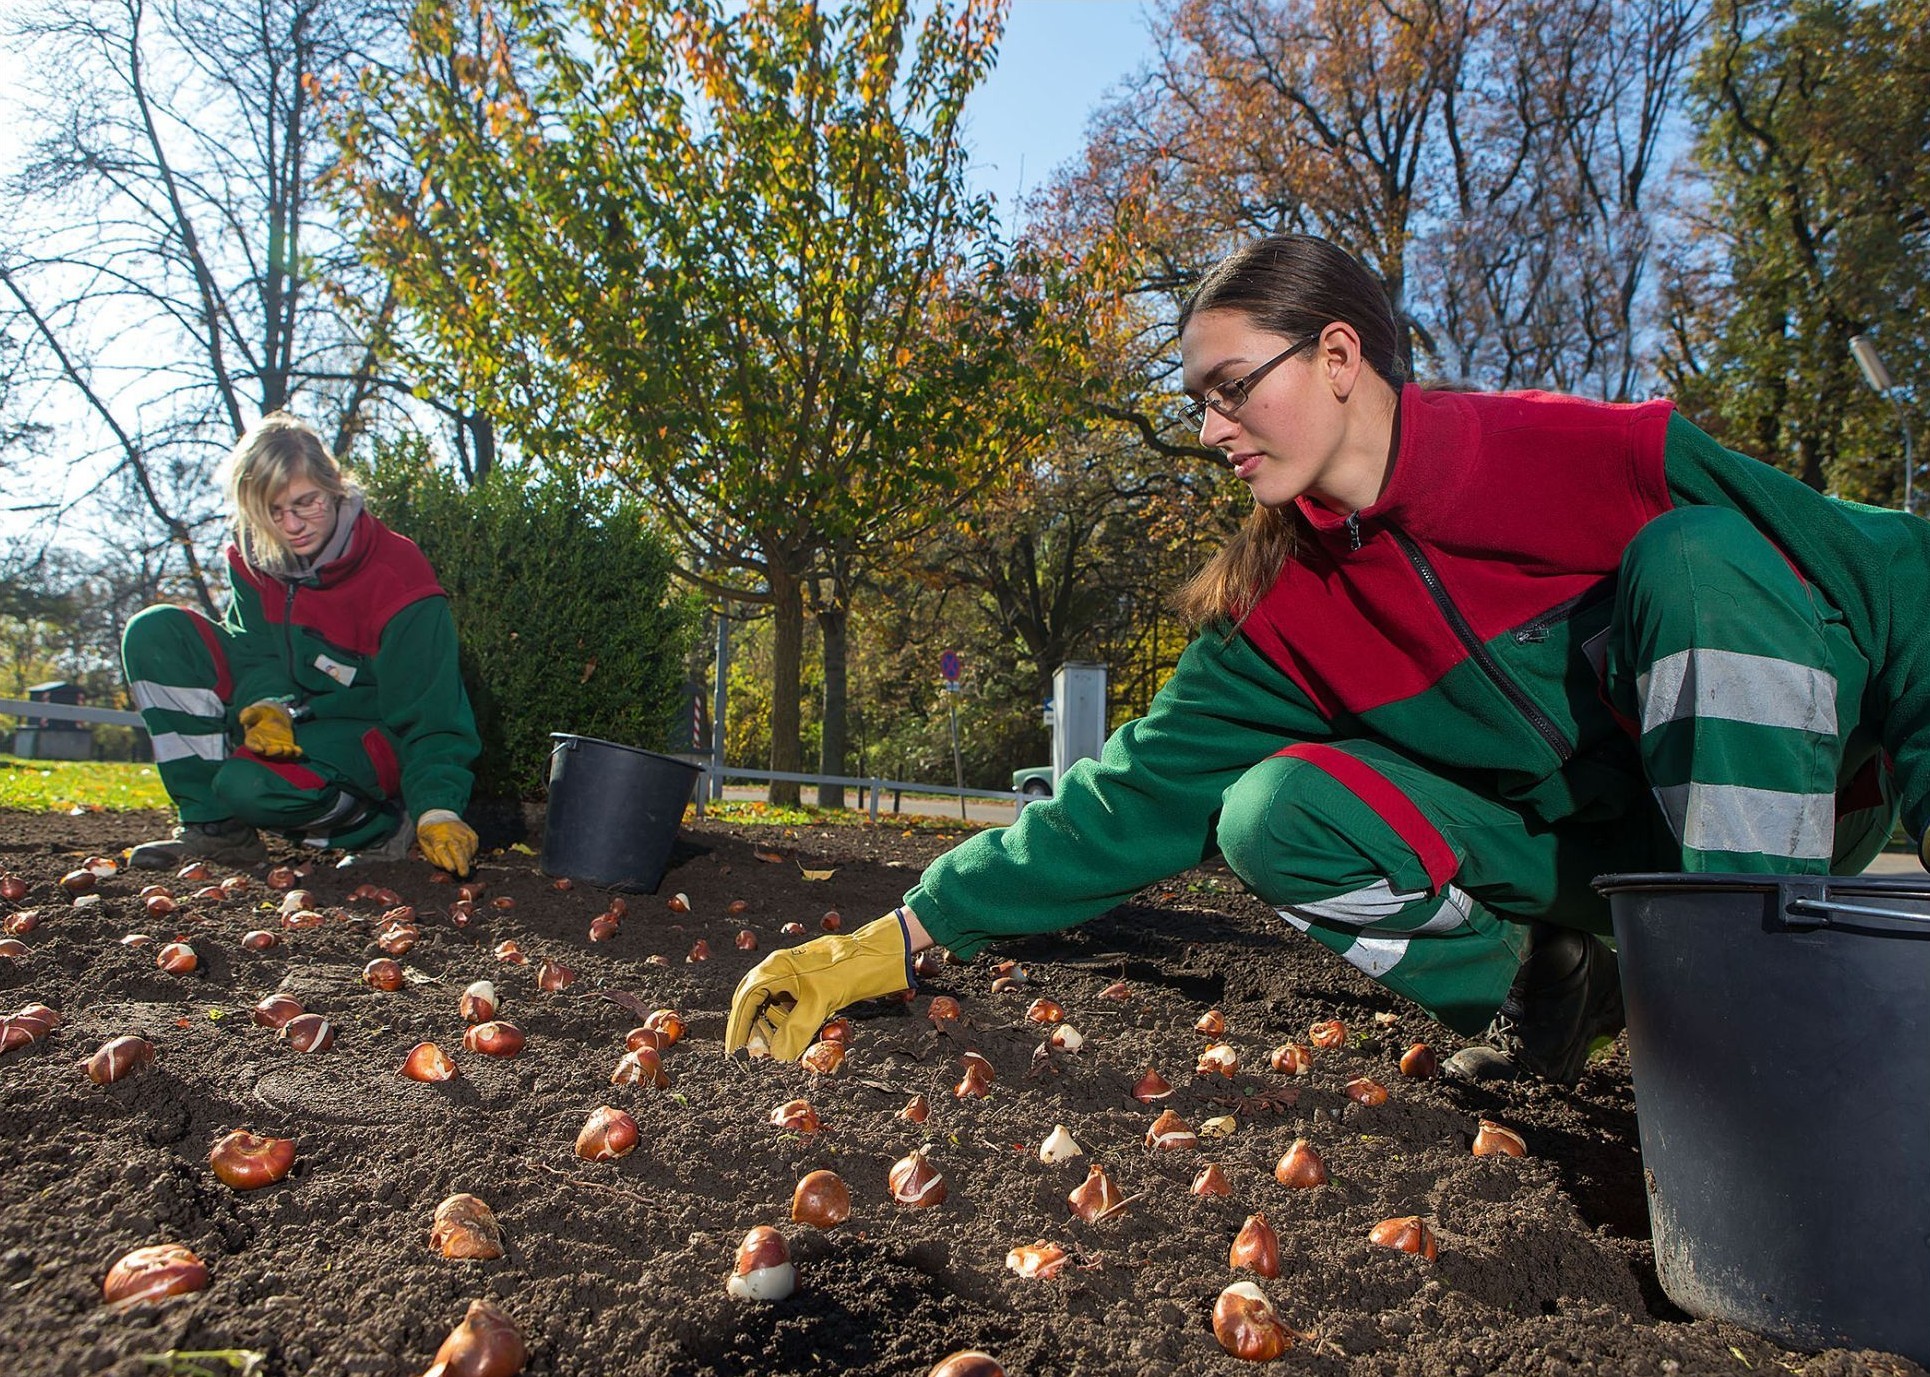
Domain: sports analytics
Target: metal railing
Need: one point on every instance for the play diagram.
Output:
(112, 717)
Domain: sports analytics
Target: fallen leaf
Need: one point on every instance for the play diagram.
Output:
(764, 855)
(818, 874)
(522, 850)
(626, 1001)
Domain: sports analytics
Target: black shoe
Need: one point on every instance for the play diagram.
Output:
(226, 842)
(1565, 1001)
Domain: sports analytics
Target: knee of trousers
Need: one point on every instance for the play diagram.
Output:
(172, 644)
(1700, 542)
(1277, 822)
(277, 794)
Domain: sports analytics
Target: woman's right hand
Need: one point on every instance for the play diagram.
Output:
(780, 1005)
(268, 730)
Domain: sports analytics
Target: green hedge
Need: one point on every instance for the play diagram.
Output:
(563, 605)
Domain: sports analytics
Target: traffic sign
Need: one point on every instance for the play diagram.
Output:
(948, 666)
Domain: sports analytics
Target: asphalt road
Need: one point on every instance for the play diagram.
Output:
(976, 809)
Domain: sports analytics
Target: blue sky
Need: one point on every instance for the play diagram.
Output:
(1056, 63)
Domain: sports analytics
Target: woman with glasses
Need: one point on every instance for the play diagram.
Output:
(1468, 651)
(327, 704)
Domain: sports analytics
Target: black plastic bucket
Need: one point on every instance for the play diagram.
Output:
(1779, 1037)
(613, 812)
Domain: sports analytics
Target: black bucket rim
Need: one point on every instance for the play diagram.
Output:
(561, 737)
(1733, 882)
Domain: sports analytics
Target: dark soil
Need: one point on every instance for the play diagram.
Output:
(1544, 1266)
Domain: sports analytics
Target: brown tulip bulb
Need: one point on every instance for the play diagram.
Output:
(21, 923)
(158, 905)
(976, 1084)
(737, 906)
(383, 974)
(1256, 1248)
(194, 872)
(643, 1066)
(1329, 1033)
(831, 921)
(796, 1116)
(1247, 1326)
(1151, 1086)
(398, 940)
(678, 903)
(118, 1059)
(1095, 1197)
(746, 940)
(554, 976)
(763, 1269)
(836, 1030)
(153, 1273)
(968, 1362)
(1365, 1090)
(1493, 1140)
(177, 958)
(1300, 1167)
(942, 1009)
(1170, 1131)
(1212, 1023)
(308, 1033)
(914, 1181)
(1045, 1011)
(1039, 1261)
(277, 1009)
(510, 954)
(792, 929)
(1211, 1181)
(823, 1058)
(606, 1135)
(563, 884)
(78, 882)
(1218, 1059)
(602, 928)
(821, 1200)
(1292, 1058)
(1118, 990)
(465, 1228)
(12, 888)
(668, 1022)
(494, 1039)
(260, 939)
(486, 1344)
(478, 1002)
(1409, 1233)
(13, 949)
(248, 1161)
(699, 951)
(645, 1037)
(1419, 1062)
(428, 1062)
(917, 1109)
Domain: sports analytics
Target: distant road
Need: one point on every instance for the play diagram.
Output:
(976, 809)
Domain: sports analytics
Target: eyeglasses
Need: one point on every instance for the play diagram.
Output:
(304, 508)
(1231, 395)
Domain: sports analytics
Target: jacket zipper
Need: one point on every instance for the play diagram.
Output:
(1536, 631)
(1510, 690)
(288, 647)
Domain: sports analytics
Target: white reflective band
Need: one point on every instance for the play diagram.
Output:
(1759, 822)
(199, 701)
(175, 746)
(1737, 688)
(1379, 901)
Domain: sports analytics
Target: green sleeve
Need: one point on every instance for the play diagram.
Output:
(1870, 562)
(1148, 808)
(423, 705)
(257, 652)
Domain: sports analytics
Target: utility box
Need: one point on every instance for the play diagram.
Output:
(1078, 714)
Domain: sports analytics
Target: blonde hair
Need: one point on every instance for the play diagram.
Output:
(277, 450)
(1232, 583)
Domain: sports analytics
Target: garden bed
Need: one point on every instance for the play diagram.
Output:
(619, 1267)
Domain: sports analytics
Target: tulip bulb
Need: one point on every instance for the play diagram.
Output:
(301, 918)
(737, 906)
(1212, 1023)
(796, 1116)
(153, 1273)
(602, 928)
(831, 921)
(428, 1062)
(1045, 1011)
(1118, 990)
(1218, 1058)
(1409, 1233)
(1366, 1090)
(1211, 1181)
(606, 1135)
(1219, 1126)
(12, 888)
(943, 1008)
(821, 1200)
(1039, 1261)
(917, 1109)
(823, 1058)
(78, 882)
(1151, 1086)
(383, 974)
(642, 1066)
(1493, 1140)
(1067, 1038)
(678, 903)
(465, 1228)
(792, 929)
(763, 1271)
(1300, 1167)
(1420, 1062)
(1095, 1197)
(398, 940)
(914, 1181)
(968, 1362)
(976, 1083)
(158, 905)
(1256, 1248)
(248, 1161)
(746, 940)
(1245, 1323)
(668, 1022)
(1059, 1146)
(13, 950)
(486, 1344)
(1169, 1131)
(177, 958)
(478, 1003)
(494, 1039)
(260, 939)
(308, 1033)
(1329, 1033)
(553, 976)
(119, 1058)
(510, 954)
(21, 923)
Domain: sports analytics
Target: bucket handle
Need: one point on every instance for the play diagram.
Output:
(1817, 912)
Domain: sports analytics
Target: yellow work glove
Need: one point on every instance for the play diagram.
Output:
(446, 840)
(789, 994)
(269, 731)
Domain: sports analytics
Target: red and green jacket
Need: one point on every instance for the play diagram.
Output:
(1450, 620)
(368, 638)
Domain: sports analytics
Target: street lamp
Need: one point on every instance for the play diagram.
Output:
(1878, 377)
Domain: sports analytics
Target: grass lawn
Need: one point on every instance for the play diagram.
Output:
(78, 786)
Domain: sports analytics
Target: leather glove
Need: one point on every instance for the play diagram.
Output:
(269, 731)
(789, 994)
(446, 840)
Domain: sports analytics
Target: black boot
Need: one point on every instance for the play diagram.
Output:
(1565, 1000)
(226, 842)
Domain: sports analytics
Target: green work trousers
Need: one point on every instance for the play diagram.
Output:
(176, 662)
(1745, 697)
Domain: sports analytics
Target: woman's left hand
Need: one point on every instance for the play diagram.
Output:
(446, 840)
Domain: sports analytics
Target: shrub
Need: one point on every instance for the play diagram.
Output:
(563, 607)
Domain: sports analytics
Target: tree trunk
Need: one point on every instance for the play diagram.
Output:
(832, 620)
(787, 656)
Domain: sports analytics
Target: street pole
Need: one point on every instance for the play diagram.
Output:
(1881, 383)
(958, 764)
(720, 695)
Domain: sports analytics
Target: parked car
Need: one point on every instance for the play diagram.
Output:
(1034, 782)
